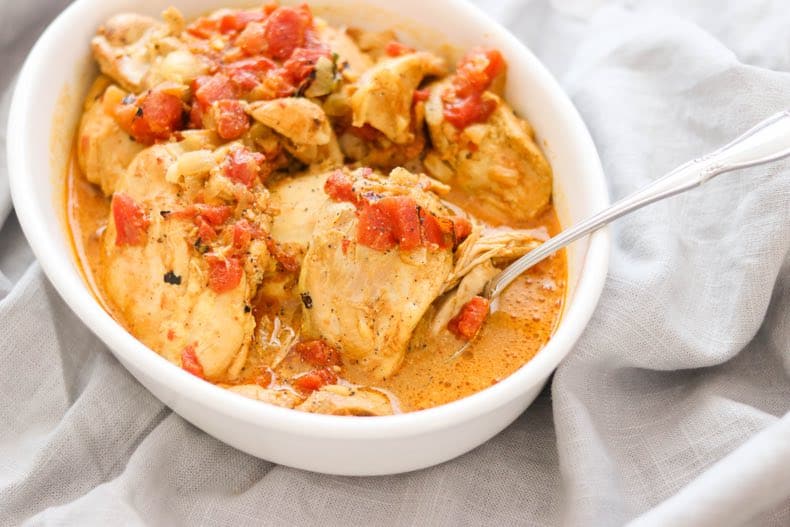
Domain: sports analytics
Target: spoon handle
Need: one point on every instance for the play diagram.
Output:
(767, 141)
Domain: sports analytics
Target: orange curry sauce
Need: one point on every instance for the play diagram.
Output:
(530, 310)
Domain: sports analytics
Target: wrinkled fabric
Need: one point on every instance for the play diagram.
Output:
(671, 410)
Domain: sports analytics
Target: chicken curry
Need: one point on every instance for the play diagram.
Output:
(306, 215)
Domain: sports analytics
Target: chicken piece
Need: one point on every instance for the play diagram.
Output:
(351, 62)
(367, 302)
(297, 201)
(121, 47)
(139, 52)
(384, 93)
(278, 397)
(496, 161)
(484, 244)
(346, 400)
(304, 124)
(104, 150)
(158, 279)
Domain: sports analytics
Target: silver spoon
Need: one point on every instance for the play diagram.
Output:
(765, 142)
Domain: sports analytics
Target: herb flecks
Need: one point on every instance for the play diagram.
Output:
(172, 278)
(307, 300)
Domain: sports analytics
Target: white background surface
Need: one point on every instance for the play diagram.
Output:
(671, 410)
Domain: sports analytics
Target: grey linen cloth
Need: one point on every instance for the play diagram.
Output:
(671, 410)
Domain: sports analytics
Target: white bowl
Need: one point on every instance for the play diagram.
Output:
(44, 113)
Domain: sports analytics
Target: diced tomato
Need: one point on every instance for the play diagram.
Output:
(214, 214)
(470, 319)
(432, 233)
(190, 361)
(472, 109)
(314, 380)
(285, 30)
(477, 70)
(246, 74)
(284, 258)
(317, 353)
(243, 234)
(462, 228)
(203, 27)
(396, 49)
(421, 95)
(224, 274)
(339, 187)
(210, 89)
(153, 116)
(244, 166)
(206, 232)
(232, 120)
(238, 21)
(205, 217)
(463, 102)
(397, 221)
(404, 218)
(171, 334)
(345, 244)
(252, 40)
(301, 64)
(375, 229)
(264, 378)
(131, 221)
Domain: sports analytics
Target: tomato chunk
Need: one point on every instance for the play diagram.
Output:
(301, 64)
(317, 353)
(463, 101)
(396, 49)
(244, 166)
(224, 274)
(232, 120)
(151, 117)
(285, 31)
(462, 228)
(468, 110)
(339, 187)
(252, 40)
(131, 221)
(470, 319)
(243, 234)
(375, 229)
(210, 89)
(190, 361)
(314, 380)
(432, 233)
(238, 21)
(404, 216)
(287, 260)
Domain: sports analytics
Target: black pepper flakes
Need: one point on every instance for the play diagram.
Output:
(172, 278)
(307, 300)
(200, 247)
(247, 309)
(139, 112)
(164, 213)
